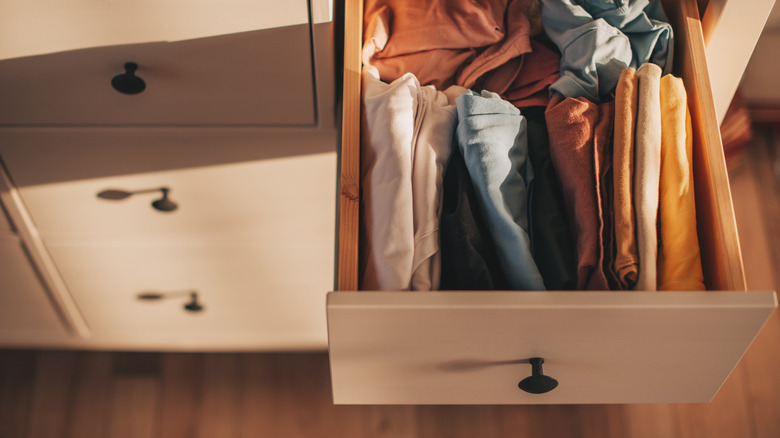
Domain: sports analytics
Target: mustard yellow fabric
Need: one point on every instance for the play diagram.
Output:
(679, 262)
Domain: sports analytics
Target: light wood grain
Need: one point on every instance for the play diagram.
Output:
(93, 385)
(650, 421)
(133, 408)
(539, 421)
(726, 416)
(349, 181)
(458, 422)
(52, 393)
(180, 394)
(220, 407)
(601, 421)
(392, 422)
(134, 404)
(260, 393)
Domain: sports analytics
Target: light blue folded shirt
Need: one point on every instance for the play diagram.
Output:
(600, 38)
(491, 135)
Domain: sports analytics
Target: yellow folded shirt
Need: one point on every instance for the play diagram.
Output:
(679, 262)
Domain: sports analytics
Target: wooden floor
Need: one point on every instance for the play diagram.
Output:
(53, 394)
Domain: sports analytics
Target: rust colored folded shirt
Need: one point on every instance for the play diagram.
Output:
(626, 260)
(580, 133)
(679, 262)
(647, 170)
(443, 42)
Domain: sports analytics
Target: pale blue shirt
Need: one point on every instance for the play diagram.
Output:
(600, 38)
(492, 138)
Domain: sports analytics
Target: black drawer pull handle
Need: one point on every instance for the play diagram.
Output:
(191, 306)
(537, 382)
(128, 82)
(163, 204)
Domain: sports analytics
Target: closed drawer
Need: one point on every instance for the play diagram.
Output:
(210, 65)
(224, 183)
(257, 294)
(608, 347)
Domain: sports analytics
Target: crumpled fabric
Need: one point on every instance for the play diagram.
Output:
(598, 39)
(443, 42)
(525, 81)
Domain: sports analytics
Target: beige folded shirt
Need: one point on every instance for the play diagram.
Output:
(406, 141)
(647, 168)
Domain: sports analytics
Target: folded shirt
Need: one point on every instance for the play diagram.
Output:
(679, 262)
(386, 179)
(435, 126)
(580, 135)
(626, 260)
(407, 138)
(492, 139)
(598, 39)
(647, 170)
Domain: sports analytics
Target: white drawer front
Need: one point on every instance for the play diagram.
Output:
(602, 347)
(260, 77)
(257, 294)
(259, 185)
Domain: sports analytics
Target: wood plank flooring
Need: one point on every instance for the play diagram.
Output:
(55, 394)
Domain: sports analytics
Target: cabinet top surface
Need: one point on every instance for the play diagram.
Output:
(49, 26)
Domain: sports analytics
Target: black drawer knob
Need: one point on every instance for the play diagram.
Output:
(537, 382)
(193, 305)
(128, 82)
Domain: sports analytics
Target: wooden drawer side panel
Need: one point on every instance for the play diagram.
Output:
(349, 182)
(721, 255)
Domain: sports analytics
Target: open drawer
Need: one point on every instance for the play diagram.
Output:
(444, 347)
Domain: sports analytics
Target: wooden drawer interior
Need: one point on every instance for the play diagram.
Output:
(721, 256)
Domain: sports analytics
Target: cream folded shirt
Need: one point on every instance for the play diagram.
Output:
(647, 169)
